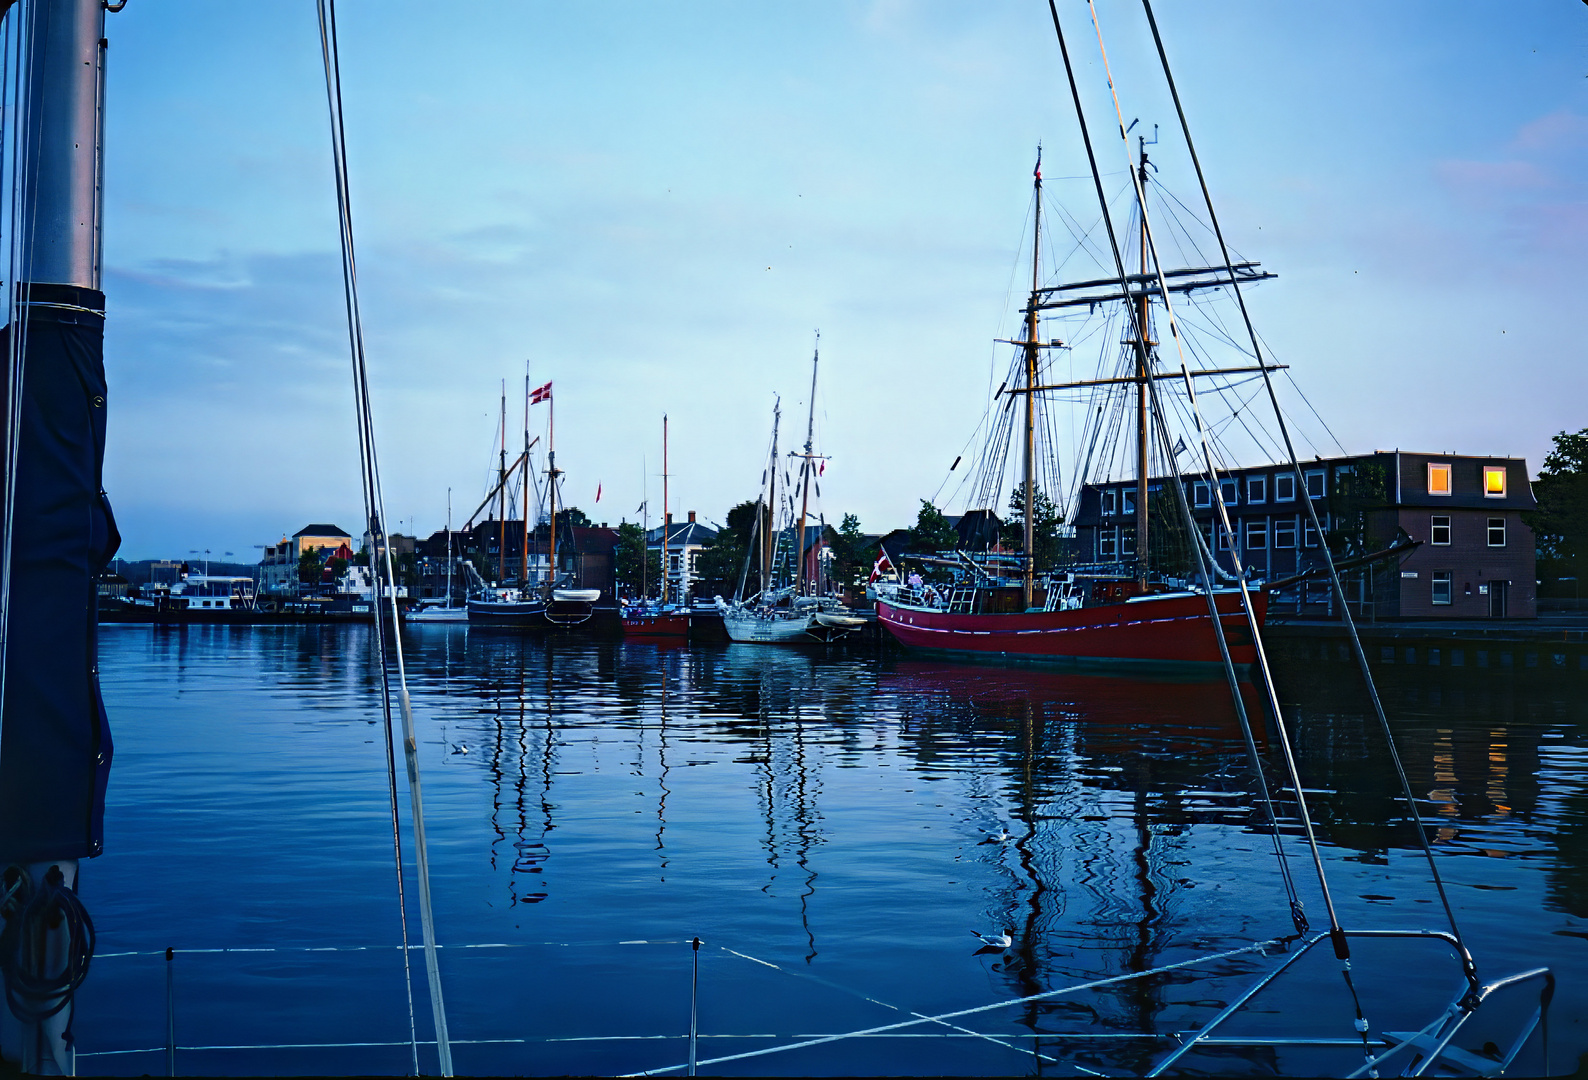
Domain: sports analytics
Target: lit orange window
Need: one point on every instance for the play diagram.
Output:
(1494, 481)
(1438, 479)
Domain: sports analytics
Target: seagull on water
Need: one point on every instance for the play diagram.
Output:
(461, 748)
(1000, 837)
(993, 943)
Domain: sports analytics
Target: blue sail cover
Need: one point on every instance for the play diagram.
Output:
(55, 747)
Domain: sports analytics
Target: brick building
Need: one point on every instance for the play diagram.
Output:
(1476, 559)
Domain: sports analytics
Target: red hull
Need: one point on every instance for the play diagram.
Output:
(1166, 630)
(668, 626)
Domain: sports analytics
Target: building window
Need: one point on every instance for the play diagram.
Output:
(1285, 533)
(1127, 501)
(1201, 494)
(1224, 537)
(1110, 502)
(1315, 484)
(1106, 543)
(1438, 478)
(1441, 586)
(1256, 489)
(1494, 481)
(1496, 532)
(1229, 492)
(1257, 535)
(1440, 532)
(1309, 535)
(1127, 542)
(1285, 487)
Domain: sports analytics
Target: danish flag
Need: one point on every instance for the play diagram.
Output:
(539, 394)
(882, 566)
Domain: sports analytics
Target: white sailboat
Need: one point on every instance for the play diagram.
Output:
(443, 612)
(798, 611)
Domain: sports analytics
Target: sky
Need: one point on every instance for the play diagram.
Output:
(657, 207)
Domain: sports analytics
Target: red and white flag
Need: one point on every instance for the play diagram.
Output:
(539, 394)
(822, 469)
(882, 566)
(598, 493)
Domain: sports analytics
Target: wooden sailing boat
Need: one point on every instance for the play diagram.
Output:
(667, 618)
(555, 600)
(791, 606)
(1119, 614)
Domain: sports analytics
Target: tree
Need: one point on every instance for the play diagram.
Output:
(722, 562)
(632, 556)
(1560, 524)
(576, 518)
(309, 566)
(1357, 492)
(932, 532)
(1047, 539)
(852, 556)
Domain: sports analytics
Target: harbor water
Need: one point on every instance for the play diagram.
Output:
(834, 826)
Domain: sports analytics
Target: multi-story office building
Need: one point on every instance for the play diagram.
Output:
(1476, 559)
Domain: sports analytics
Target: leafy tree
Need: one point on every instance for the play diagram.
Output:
(852, 556)
(309, 566)
(1048, 539)
(335, 568)
(932, 532)
(1560, 524)
(722, 562)
(1356, 494)
(632, 556)
(576, 518)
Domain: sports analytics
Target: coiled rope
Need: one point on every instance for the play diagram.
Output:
(385, 578)
(30, 946)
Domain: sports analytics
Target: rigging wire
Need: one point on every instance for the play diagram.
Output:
(21, 242)
(1336, 932)
(1312, 512)
(385, 578)
(1297, 914)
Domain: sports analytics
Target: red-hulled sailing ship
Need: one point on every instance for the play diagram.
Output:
(999, 604)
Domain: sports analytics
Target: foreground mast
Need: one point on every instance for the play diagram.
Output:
(1028, 580)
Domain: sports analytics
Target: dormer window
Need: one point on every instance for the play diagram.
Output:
(1229, 491)
(1284, 487)
(1438, 478)
(1256, 489)
(1110, 502)
(1494, 481)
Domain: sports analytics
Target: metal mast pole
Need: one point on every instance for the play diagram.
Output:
(666, 518)
(805, 471)
(770, 540)
(1029, 583)
(53, 520)
(1141, 393)
(501, 487)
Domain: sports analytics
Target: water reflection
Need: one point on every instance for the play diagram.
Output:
(860, 817)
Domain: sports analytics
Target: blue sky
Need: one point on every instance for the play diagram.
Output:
(658, 205)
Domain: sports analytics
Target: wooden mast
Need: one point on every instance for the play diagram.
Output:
(551, 492)
(1141, 393)
(523, 580)
(805, 472)
(501, 488)
(1029, 577)
(666, 519)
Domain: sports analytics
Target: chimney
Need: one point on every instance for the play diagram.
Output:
(669, 519)
(691, 517)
